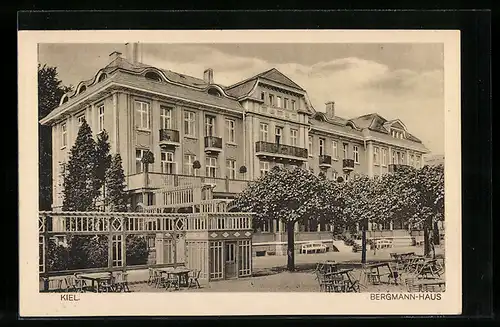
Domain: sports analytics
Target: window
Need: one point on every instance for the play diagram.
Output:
(321, 147)
(335, 150)
(293, 137)
(167, 163)
(64, 135)
(231, 168)
(262, 96)
(80, 119)
(230, 136)
(211, 166)
(402, 158)
(293, 104)
(189, 159)
(271, 100)
(264, 168)
(376, 155)
(346, 150)
(394, 158)
(384, 157)
(334, 175)
(139, 153)
(277, 133)
(355, 153)
(285, 103)
(310, 148)
(346, 177)
(166, 117)
(417, 158)
(143, 111)
(411, 160)
(209, 125)
(278, 102)
(189, 123)
(100, 128)
(230, 252)
(264, 128)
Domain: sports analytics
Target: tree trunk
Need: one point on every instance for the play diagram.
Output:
(290, 246)
(363, 243)
(426, 240)
(436, 233)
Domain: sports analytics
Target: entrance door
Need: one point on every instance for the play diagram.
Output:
(230, 260)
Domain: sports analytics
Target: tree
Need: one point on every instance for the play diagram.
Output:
(103, 163)
(79, 182)
(50, 91)
(417, 197)
(364, 203)
(287, 195)
(116, 197)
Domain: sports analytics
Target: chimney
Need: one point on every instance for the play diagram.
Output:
(132, 52)
(208, 76)
(114, 55)
(330, 109)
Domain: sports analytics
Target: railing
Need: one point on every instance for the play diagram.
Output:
(348, 164)
(281, 149)
(158, 180)
(213, 142)
(169, 135)
(229, 221)
(325, 160)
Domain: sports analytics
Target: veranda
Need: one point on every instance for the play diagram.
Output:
(211, 240)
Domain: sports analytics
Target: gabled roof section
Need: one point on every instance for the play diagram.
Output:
(277, 76)
(244, 87)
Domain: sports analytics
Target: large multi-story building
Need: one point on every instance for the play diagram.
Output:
(235, 133)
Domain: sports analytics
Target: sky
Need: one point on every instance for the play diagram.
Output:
(404, 81)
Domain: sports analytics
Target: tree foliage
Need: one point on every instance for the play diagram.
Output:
(50, 91)
(79, 183)
(116, 196)
(103, 162)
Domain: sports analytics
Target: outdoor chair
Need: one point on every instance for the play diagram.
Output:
(121, 282)
(372, 277)
(193, 280)
(152, 277)
(160, 279)
(70, 283)
(325, 284)
(339, 284)
(411, 286)
(80, 283)
(431, 288)
(107, 285)
(172, 281)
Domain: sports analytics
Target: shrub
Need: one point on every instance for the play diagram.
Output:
(137, 250)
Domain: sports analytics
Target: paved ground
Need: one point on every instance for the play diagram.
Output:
(269, 274)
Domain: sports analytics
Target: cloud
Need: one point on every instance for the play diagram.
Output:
(357, 86)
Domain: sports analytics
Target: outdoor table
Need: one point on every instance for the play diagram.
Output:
(351, 283)
(182, 275)
(374, 269)
(430, 282)
(96, 278)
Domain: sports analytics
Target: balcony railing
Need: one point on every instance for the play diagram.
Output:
(169, 137)
(348, 164)
(262, 147)
(325, 160)
(213, 143)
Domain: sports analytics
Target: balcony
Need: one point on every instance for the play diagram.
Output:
(392, 168)
(280, 152)
(169, 138)
(213, 144)
(325, 161)
(348, 164)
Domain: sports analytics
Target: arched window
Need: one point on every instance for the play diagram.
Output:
(82, 89)
(64, 99)
(102, 78)
(153, 76)
(214, 91)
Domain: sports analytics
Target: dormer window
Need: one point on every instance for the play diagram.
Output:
(397, 134)
(153, 76)
(215, 92)
(82, 89)
(102, 78)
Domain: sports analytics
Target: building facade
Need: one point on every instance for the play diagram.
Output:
(235, 133)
